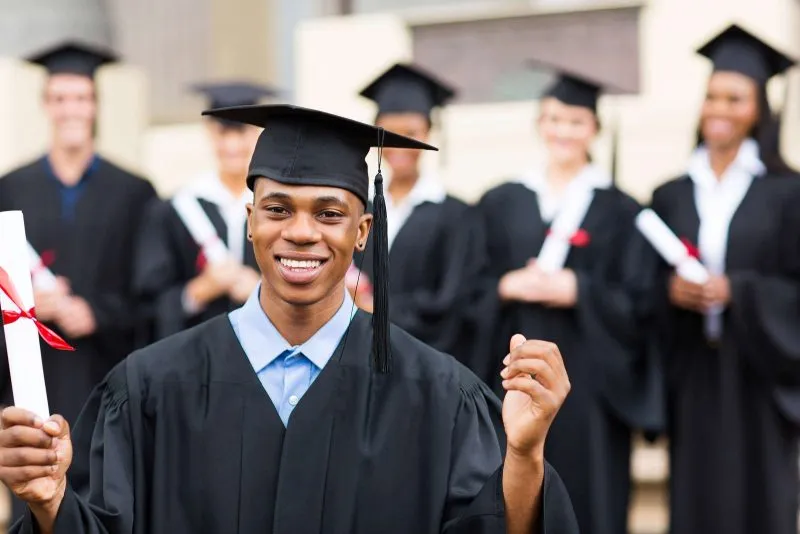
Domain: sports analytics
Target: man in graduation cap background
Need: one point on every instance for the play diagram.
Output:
(176, 281)
(82, 215)
(298, 413)
(434, 245)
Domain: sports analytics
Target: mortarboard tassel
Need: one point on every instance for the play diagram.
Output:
(381, 352)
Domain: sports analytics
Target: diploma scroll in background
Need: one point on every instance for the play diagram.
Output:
(200, 228)
(670, 248)
(22, 336)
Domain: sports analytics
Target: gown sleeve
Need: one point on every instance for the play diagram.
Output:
(475, 503)
(158, 280)
(612, 296)
(765, 307)
(100, 496)
(119, 310)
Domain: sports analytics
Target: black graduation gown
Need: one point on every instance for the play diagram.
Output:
(182, 438)
(94, 250)
(434, 271)
(167, 259)
(734, 408)
(614, 381)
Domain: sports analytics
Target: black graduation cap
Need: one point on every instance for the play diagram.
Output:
(407, 88)
(574, 90)
(737, 50)
(72, 57)
(301, 146)
(233, 93)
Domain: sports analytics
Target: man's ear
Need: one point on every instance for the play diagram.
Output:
(364, 226)
(249, 208)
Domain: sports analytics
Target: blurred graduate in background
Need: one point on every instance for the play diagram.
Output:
(177, 276)
(433, 237)
(564, 264)
(82, 216)
(731, 345)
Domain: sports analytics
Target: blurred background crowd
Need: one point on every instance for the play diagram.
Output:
(321, 53)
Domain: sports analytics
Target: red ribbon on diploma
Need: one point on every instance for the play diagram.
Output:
(691, 249)
(50, 337)
(580, 238)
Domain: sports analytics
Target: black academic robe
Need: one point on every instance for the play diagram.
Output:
(167, 259)
(434, 269)
(614, 379)
(734, 405)
(182, 438)
(93, 247)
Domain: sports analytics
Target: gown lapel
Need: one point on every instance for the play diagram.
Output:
(214, 215)
(528, 230)
(747, 228)
(316, 425)
(90, 226)
(254, 422)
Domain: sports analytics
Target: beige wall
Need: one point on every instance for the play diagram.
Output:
(173, 155)
(24, 131)
(485, 143)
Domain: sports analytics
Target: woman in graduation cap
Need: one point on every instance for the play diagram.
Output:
(298, 413)
(432, 267)
(732, 344)
(564, 265)
(180, 281)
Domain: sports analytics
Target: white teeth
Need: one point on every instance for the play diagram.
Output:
(300, 264)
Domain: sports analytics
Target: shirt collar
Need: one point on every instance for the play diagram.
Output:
(747, 163)
(263, 343)
(590, 176)
(208, 186)
(93, 163)
(428, 188)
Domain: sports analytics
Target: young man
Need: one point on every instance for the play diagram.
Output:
(82, 216)
(294, 414)
(179, 283)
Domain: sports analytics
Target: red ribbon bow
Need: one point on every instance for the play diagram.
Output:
(50, 337)
(580, 238)
(691, 249)
(202, 259)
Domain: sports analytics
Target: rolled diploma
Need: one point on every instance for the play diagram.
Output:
(670, 247)
(22, 337)
(555, 248)
(43, 278)
(200, 228)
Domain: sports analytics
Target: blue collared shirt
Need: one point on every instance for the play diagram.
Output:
(70, 194)
(286, 371)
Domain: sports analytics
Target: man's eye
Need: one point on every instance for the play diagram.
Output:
(329, 214)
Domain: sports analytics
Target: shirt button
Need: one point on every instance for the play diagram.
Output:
(293, 400)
